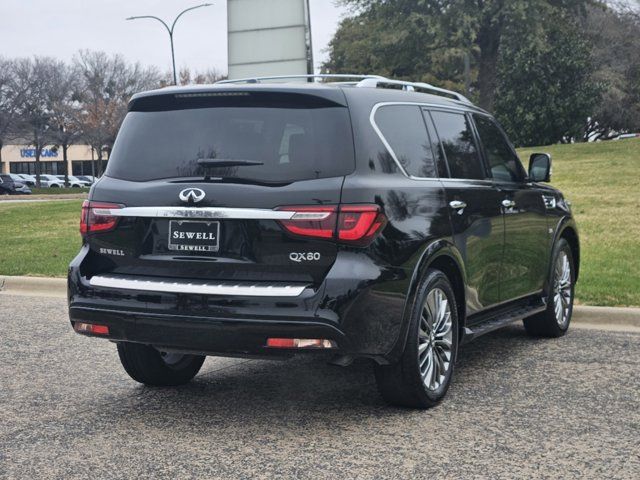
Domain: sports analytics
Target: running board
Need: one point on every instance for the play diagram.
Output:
(501, 319)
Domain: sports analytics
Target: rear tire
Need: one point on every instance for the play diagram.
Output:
(421, 378)
(151, 367)
(554, 321)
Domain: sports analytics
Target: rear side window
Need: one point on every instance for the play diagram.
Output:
(405, 131)
(458, 144)
(285, 144)
(503, 162)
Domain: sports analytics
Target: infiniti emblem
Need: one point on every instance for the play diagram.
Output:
(192, 195)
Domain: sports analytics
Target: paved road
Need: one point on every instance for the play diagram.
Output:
(519, 408)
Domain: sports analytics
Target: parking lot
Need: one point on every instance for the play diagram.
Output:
(519, 408)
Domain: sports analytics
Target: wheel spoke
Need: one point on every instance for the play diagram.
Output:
(558, 307)
(442, 370)
(426, 374)
(435, 371)
(443, 343)
(425, 357)
(424, 330)
(431, 307)
(443, 314)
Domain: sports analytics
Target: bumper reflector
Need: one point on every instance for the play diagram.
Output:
(302, 343)
(91, 328)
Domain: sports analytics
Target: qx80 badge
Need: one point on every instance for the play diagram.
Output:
(192, 195)
(305, 257)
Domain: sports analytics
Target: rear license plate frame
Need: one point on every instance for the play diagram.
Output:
(191, 245)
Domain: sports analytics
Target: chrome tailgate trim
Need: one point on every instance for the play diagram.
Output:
(198, 288)
(210, 213)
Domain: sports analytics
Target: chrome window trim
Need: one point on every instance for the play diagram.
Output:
(226, 289)
(210, 213)
(482, 181)
(372, 120)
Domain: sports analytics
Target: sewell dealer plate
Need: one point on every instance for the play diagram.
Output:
(192, 236)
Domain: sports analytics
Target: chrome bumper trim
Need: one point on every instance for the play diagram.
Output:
(210, 213)
(226, 289)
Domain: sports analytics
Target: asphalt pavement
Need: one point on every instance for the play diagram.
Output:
(518, 408)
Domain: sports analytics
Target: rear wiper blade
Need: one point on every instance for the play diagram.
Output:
(223, 162)
(231, 180)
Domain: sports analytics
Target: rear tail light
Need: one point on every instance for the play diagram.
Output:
(91, 328)
(352, 224)
(301, 343)
(96, 217)
(359, 224)
(318, 222)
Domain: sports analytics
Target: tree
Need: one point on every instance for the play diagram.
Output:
(545, 90)
(615, 36)
(440, 34)
(33, 122)
(107, 84)
(397, 39)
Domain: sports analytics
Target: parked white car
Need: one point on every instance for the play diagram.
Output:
(74, 182)
(624, 136)
(87, 178)
(27, 179)
(50, 181)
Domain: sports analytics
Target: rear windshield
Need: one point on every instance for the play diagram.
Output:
(291, 144)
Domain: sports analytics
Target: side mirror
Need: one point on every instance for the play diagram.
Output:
(540, 167)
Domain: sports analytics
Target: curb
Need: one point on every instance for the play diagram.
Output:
(624, 316)
(33, 198)
(57, 287)
(34, 286)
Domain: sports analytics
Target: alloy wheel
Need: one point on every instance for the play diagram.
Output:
(562, 289)
(435, 339)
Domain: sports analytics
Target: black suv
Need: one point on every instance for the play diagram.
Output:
(365, 218)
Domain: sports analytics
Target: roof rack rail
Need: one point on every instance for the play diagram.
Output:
(363, 81)
(342, 76)
(375, 82)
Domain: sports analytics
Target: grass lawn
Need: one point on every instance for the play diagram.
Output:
(602, 181)
(39, 238)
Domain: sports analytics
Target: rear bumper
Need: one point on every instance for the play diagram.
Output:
(204, 335)
(355, 307)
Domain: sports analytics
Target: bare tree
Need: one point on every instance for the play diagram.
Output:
(33, 77)
(186, 77)
(64, 106)
(11, 94)
(107, 84)
(208, 76)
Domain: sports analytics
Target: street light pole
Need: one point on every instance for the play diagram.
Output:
(170, 31)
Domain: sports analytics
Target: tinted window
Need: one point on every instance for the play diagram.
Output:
(503, 162)
(291, 143)
(404, 129)
(456, 138)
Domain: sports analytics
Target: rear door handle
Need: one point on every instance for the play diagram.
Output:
(458, 205)
(508, 203)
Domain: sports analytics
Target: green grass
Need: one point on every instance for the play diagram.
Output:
(601, 180)
(39, 238)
